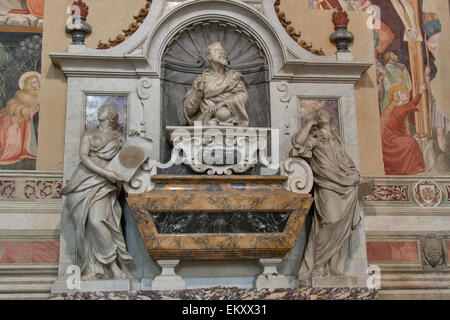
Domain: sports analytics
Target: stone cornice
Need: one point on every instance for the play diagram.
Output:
(137, 66)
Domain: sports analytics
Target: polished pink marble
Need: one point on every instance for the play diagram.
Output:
(392, 251)
(29, 252)
(45, 252)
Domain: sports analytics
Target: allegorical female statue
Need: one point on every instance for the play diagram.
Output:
(336, 213)
(218, 97)
(91, 200)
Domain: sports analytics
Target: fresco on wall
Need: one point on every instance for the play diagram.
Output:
(23, 7)
(347, 5)
(20, 82)
(309, 106)
(95, 102)
(409, 51)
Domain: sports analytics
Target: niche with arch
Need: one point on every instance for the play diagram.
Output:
(184, 59)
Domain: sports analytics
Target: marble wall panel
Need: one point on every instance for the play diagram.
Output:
(392, 251)
(29, 252)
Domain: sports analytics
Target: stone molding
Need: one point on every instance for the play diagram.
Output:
(287, 60)
(27, 281)
(397, 233)
(405, 191)
(30, 185)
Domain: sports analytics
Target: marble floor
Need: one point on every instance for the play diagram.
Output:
(228, 294)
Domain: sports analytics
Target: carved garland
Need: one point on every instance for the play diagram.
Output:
(131, 29)
(287, 24)
(144, 12)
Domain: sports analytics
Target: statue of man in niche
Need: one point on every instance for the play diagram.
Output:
(219, 97)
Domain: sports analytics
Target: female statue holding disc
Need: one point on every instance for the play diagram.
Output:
(92, 204)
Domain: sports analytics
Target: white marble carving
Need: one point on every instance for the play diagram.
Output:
(218, 150)
(135, 68)
(300, 175)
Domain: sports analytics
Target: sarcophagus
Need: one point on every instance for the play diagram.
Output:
(219, 217)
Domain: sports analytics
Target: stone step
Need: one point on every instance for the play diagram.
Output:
(26, 279)
(424, 294)
(25, 288)
(418, 280)
(24, 296)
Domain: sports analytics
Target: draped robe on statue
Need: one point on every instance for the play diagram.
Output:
(401, 152)
(336, 213)
(229, 87)
(92, 204)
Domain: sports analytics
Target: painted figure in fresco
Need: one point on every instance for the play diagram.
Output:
(35, 7)
(395, 73)
(439, 157)
(408, 17)
(401, 152)
(360, 5)
(92, 202)
(17, 133)
(219, 96)
(336, 185)
(347, 5)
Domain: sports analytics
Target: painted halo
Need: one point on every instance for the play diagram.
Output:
(26, 75)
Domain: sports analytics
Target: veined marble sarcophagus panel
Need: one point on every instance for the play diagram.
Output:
(220, 217)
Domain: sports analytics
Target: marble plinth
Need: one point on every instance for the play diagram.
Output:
(218, 195)
(340, 281)
(228, 294)
(270, 277)
(168, 279)
(96, 285)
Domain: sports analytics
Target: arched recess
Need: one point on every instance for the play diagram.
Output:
(158, 34)
(184, 60)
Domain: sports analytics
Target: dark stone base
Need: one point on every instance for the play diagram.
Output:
(228, 294)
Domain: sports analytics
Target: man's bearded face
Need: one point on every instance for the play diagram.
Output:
(394, 58)
(217, 55)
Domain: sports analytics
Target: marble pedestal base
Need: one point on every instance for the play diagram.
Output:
(60, 286)
(270, 277)
(340, 282)
(168, 279)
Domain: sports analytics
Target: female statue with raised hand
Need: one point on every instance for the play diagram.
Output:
(91, 200)
(336, 213)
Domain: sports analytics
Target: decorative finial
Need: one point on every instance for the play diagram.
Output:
(80, 9)
(340, 18)
(79, 29)
(341, 37)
